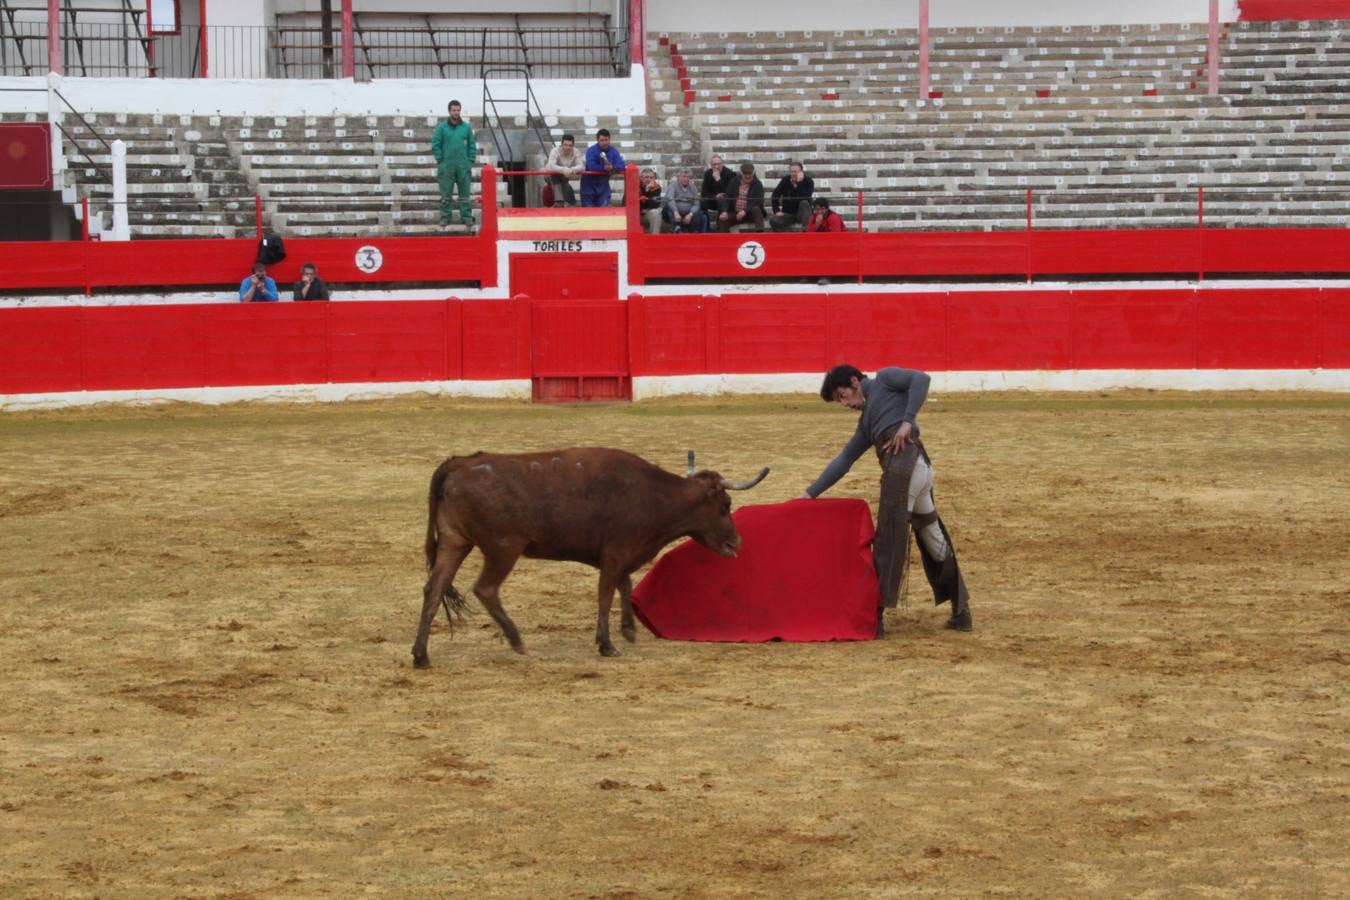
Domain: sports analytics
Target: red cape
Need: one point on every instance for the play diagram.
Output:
(803, 573)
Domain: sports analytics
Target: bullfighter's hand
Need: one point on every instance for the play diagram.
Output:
(805, 496)
(900, 439)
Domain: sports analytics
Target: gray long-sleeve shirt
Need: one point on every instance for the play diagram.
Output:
(893, 396)
(681, 200)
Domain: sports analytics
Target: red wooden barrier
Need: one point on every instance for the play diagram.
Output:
(223, 263)
(1038, 252)
(1256, 10)
(374, 261)
(71, 348)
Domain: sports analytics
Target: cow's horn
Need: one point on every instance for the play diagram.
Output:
(745, 485)
(689, 472)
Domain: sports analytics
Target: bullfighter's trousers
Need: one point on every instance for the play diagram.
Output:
(907, 500)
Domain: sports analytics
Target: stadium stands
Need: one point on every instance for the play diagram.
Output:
(196, 176)
(1108, 126)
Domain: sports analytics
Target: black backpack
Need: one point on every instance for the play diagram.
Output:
(271, 250)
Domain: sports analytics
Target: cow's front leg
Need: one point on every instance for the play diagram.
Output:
(606, 599)
(626, 623)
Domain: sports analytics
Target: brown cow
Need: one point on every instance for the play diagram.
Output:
(606, 508)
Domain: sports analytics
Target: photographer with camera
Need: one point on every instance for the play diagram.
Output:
(258, 287)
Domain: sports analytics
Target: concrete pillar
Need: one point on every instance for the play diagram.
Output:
(121, 227)
(55, 116)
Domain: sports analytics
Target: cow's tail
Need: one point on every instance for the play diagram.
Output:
(433, 505)
(451, 600)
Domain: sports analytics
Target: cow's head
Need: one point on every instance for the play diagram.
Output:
(712, 525)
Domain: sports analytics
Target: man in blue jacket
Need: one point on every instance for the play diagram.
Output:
(258, 287)
(889, 405)
(600, 157)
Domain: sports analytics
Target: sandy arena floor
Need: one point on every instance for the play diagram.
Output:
(205, 620)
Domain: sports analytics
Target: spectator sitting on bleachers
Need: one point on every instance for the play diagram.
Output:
(717, 180)
(565, 161)
(600, 158)
(823, 218)
(258, 287)
(650, 201)
(791, 209)
(744, 203)
(683, 210)
(310, 286)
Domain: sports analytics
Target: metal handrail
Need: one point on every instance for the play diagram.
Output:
(534, 114)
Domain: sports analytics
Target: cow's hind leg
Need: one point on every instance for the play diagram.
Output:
(440, 584)
(608, 581)
(497, 564)
(626, 623)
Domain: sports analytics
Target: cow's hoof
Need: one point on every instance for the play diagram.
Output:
(519, 648)
(421, 662)
(608, 650)
(630, 635)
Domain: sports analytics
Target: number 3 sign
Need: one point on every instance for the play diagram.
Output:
(369, 259)
(750, 255)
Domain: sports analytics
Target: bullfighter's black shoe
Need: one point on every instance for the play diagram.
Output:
(881, 623)
(961, 621)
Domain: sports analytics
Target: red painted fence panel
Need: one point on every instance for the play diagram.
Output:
(778, 333)
(45, 264)
(874, 330)
(1255, 10)
(134, 347)
(266, 343)
(1286, 250)
(1336, 328)
(41, 349)
(391, 341)
(1258, 329)
(1003, 330)
(579, 337)
(224, 263)
(1115, 329)
(1160, 250)
(671, 339)
(496, 339)
(933, 254)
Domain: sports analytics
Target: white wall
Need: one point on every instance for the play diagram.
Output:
(239, 12)
(768, 15)
(454, 6)
(606, 97)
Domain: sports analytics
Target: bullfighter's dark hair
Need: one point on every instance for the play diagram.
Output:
(603, 132)
(567, 137)
(453, 103)
(841, 375)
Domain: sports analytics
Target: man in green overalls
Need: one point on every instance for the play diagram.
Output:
(455, 150)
